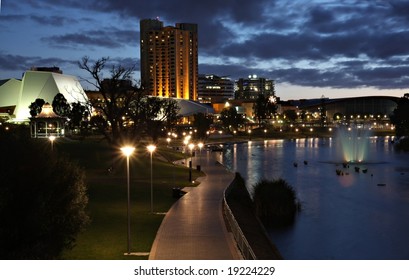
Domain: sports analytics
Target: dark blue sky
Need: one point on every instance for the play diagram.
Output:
(310, 48)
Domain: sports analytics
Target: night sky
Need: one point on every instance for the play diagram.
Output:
(310, 48)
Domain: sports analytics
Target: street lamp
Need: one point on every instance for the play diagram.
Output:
(191, 146)
(52, 138)
(185, 142)
(200, 145)
(151, 149)
(128, 151)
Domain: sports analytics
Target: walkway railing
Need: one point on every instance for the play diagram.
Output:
(241, 241)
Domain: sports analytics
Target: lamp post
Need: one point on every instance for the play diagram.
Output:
(128, 151)
(52, 138)
(185, 143)
(151, 149)
(200, 145)
(191, 146)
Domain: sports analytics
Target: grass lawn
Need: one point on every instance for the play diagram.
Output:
(106, 235)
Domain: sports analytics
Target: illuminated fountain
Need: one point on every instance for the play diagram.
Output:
(353, 144)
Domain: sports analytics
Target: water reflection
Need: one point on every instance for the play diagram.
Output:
(354, 216)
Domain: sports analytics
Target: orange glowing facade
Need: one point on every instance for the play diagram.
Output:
(169, 59)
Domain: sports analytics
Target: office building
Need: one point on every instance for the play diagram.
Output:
(251, 87)
(215, 89)
(169, 59)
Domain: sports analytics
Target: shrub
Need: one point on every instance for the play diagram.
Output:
(275, 202)
(403, 145)
(42, 199)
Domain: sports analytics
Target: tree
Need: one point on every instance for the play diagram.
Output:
(259, 108)
(291, 115)
(42, 200)
(264, 107)
(78, 115)
(202, 124)
(36, 107)
(323, 111)
(125, 112)
(117, 93)
(61, 106)
(400, 116)
(230, 118)
(152, 114)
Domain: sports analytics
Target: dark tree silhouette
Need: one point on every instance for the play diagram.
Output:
(264, 107)
(42, 200)
(202, 124)
(230, 118)
(78, 115)
(61, 106)
(117, 93)
(36, 107)
(291, 115)
(400, 116)
(125, 113)
(152, 114)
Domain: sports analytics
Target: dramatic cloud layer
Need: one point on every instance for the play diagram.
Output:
(329, 44)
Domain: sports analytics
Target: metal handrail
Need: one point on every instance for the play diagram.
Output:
(238, 235)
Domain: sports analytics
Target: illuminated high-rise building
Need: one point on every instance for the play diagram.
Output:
(215, 89)
(249, 88)
(169, 59)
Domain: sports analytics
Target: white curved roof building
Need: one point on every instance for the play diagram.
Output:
(17, 95)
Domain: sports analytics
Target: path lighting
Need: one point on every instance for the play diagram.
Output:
(191, 147)
(185, 143)
(168, 140)
(52, 139)
(151, 149)
(128, 151)
(200, 145)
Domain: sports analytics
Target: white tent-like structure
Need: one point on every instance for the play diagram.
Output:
(190, 108)
(19, 94)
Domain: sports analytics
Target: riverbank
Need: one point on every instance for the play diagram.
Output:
(256, 244)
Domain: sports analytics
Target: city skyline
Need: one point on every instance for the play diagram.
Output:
(310, 48)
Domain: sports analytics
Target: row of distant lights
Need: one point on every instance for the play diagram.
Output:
(187, 137)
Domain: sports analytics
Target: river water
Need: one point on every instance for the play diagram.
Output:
(352, 216)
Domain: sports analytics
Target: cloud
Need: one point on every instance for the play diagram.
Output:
(51, 20)
(112, 38)
(22, 63)
(340, 44)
